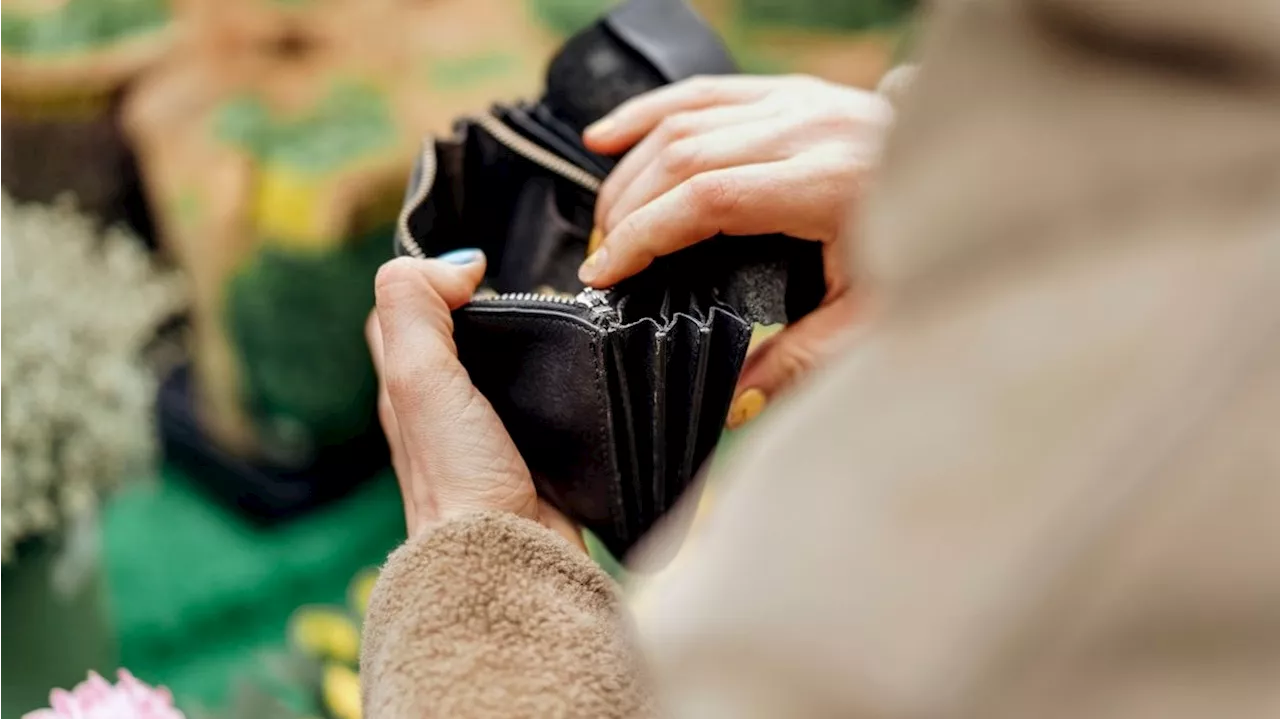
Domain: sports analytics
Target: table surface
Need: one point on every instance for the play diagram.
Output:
(199, 595)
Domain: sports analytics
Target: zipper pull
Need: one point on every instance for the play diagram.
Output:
(593, 298)
(598, 302)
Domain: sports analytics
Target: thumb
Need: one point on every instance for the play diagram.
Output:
(788, 356)
(409, 284)
(414, 299)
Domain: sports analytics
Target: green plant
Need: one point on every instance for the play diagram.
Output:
(79, 307)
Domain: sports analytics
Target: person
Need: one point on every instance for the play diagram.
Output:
(1039, 480)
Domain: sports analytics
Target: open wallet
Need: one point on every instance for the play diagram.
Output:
(614, 398)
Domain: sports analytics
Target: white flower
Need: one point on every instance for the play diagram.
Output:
(79, 307)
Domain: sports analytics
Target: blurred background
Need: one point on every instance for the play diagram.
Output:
(197, 196)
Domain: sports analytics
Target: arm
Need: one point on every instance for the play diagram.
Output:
(493, 615)
(492, 608)
(1044, 483)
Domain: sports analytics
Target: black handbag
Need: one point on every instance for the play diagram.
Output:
(614, 398)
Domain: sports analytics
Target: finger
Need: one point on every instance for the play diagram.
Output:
(788, 356)
(636, 117)
(788, 197)
(387, 416)
(414, 299)
(373, 337)
(745, 144)
(410, 292)
(669, 130)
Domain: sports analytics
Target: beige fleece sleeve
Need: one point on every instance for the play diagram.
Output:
(494, 615)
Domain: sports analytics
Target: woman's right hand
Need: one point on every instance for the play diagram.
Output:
(740, 155)
(451, 454)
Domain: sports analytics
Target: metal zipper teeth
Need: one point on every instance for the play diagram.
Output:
(528, 297)
(510, 139)
(595, 301)
(590, 298)
(537, 154)
(425, 183)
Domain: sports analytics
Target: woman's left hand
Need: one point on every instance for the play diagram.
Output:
(733, 154)
(741, 155)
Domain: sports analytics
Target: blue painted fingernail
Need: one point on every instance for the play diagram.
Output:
(464, 256)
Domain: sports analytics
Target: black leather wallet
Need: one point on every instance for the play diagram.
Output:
(615, 398)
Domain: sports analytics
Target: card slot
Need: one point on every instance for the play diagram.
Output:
(639, 306)
(696, 420)
(640, 346)
(521, 121)
(546, 118)
(681, 367)
(661, 412)
(726, 352)
(678, 300)
(686, 370)
(624, 434)
(700, 303)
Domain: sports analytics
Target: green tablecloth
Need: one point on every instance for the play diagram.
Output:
(199, 594)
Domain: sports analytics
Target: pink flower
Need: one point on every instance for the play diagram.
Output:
(97, 698)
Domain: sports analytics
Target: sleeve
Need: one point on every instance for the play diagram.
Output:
(494, 615)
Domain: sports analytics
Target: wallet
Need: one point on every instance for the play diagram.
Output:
(614, 398)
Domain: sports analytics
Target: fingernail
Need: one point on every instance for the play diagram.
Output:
(599, 127)
(593, 242)
(594, 266)
(464, 256)
(745, 407)
(761, 333)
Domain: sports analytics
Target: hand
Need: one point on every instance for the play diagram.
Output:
(451, 454)
(741, 156)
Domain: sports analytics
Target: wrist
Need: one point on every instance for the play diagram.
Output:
(544, 514)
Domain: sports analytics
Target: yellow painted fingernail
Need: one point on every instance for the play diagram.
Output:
(745, 408)
(593, 242)
(594, 266)
(760, 333)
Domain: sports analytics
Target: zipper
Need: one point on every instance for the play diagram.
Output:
(508, 138)
(596, 301)
(537, 154)
(427, 160)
